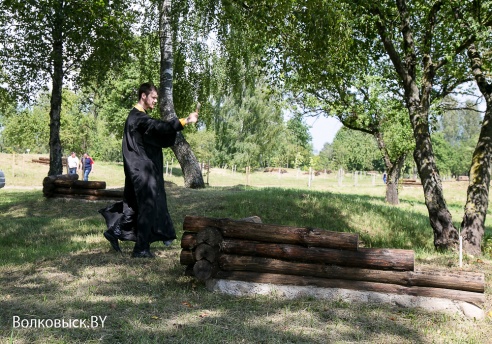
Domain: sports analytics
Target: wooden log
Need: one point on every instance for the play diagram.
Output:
(48, 190)
(274, 233)
(209, 235)
(186, 257)
(51, 179)
(49, 182)
(46, 161)
(80, 184)
(460, 295)
(204, 270)
(457, 280)
(208, 252)
(91, 192)
(188, 240)
(372, 258)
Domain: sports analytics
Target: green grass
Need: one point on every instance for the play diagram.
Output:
(55, 264)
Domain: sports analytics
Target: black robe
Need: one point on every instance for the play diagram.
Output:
(143, 216)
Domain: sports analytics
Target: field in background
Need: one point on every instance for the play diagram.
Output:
(21, 172)
(55, 264)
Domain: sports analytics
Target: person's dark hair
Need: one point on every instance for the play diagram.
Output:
(146, 88)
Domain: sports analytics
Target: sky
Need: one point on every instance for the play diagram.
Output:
(322, 130)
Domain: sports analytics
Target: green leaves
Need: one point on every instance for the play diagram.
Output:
(93, 34)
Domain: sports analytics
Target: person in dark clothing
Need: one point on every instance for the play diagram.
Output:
(143, 216)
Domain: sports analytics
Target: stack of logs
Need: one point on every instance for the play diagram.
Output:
(410, 182)
(248, 250)
(68, 186)
(46, 161)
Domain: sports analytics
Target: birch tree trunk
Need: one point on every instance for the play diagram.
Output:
(189, 164)
(477, 201)
(56, 165)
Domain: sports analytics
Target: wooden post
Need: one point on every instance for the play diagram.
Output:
(340, 177)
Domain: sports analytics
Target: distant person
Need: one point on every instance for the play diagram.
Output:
(86, 165)
(143, 216)
(72, 163)
(385, 177)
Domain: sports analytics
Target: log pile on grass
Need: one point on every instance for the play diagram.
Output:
(250, 251)
(46, 161)
(68, 186)
(410, 182)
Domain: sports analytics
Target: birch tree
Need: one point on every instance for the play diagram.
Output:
(52, 43)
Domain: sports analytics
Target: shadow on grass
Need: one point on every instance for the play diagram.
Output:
(55, 265)
(34, 228)
(150, 301)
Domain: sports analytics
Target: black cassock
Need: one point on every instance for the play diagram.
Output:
(143, 216)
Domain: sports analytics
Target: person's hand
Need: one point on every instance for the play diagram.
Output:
(192, 118)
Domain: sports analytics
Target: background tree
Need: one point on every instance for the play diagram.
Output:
(248, 133)
(61, 41)
(356, 151)
(455, 135)
(354, 84)
(325, 158)
(27, 129)
(298, 142)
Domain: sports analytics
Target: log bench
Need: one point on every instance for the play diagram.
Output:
(250, 251)
(68, 186)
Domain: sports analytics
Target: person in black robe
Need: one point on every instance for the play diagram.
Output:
(143, 216)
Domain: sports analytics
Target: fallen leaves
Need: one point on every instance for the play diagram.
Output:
(187, 304)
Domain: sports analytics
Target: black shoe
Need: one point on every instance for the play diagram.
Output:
(143, 254)
(112, 240)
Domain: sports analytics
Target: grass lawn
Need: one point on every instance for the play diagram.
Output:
(55, 264)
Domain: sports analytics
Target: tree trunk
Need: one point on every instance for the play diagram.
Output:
(56, 165)
(473, 224)
(394, 172)
(445, 234)
(193, 177)
(393, 168)
(189, 164)
(418, 99)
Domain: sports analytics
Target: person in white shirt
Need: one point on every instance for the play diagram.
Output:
(73, 163)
